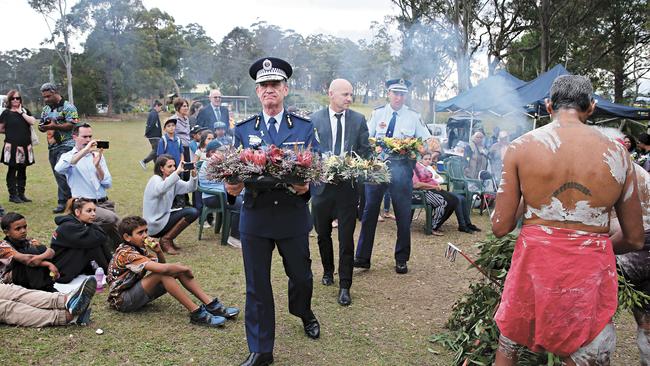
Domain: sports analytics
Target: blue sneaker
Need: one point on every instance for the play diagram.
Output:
(219, 309)
(83, 318)
(79, 299)
(201, 316)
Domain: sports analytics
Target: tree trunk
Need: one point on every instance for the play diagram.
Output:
(544, 34)
(68, 74)
(109, 86)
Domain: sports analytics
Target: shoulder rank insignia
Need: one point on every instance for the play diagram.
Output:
(246, 119)
(379, 107)
(302, 116)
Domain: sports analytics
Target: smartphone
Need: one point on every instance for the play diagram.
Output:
(102, 144)
(188, 166)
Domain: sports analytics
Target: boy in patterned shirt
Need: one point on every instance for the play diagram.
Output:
(24, 261)
(131, 287)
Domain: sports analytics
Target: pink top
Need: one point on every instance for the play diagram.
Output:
(423, 175)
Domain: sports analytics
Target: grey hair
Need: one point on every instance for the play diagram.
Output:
(49, 87)
(572, 92)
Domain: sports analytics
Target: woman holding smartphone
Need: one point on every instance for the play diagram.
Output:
(162, 221)
(17, 152)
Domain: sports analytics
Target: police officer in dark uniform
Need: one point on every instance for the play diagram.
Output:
(274, 215)
(399, 121)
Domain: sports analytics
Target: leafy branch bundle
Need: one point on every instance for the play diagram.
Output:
(472, 332)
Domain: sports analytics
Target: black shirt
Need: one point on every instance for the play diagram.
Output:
(17, 130)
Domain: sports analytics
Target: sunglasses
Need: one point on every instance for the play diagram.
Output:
(16, 98)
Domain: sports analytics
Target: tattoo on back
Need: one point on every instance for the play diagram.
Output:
(572, 185)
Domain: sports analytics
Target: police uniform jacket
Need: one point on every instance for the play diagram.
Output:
(273, 211)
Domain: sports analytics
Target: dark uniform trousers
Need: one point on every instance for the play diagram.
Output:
(337, 201)
(401, 189)
(269, 219)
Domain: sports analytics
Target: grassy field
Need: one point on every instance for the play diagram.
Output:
(388, 323)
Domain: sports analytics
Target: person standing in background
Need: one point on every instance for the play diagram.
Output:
(152, 132)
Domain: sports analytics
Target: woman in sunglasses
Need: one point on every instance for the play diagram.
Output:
(17, 152)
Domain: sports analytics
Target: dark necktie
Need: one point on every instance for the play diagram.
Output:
(339, 134)
(391, 125)
(217, 113)
(273, 132)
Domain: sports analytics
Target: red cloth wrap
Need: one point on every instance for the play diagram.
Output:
(561, 289)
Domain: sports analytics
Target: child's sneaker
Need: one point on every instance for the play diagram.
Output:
(201, 316)
(79, 299)
(218, 309)
(83, 318)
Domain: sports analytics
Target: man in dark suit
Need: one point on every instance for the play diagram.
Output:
(341, 131)
(214, 113)
(274, 215)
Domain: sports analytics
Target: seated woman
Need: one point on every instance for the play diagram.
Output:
(212, 201)
(78, 241)
(163, 186)
(442, 202)
(462, 212)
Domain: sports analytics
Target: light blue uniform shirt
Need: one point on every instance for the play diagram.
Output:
(82, 177)
(208, 184)
(408, 123)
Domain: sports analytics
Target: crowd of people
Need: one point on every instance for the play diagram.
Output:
(562, 211)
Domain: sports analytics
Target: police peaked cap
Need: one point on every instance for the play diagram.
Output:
(270, 69)
(398, 85)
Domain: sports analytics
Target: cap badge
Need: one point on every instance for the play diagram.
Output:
(402, 82)
(267, 65)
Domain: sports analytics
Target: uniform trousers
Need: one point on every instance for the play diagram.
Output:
(401, 189)
(260, 308)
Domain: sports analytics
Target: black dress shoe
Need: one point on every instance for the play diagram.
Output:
(312, 327)
(258, 359)
(401, 267)
(358, 263)
(465, 229)
(344, 297)
(473, 227)
(328, 279)
(59, 209)
(15, 199)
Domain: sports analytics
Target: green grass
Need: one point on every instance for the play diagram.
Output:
(388, 323)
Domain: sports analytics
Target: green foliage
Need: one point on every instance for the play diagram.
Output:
(629, 297)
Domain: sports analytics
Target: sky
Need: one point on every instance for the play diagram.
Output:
(341, 18)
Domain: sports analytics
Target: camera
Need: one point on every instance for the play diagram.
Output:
(102, 144)
(188, 166)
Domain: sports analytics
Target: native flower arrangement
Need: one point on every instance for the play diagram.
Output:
(397, 148)
(265, 164)
(352, 167)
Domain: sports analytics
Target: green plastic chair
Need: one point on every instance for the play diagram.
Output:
(422, 205)
(221, 215)
(459, 183)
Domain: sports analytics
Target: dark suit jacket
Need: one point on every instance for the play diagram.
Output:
(355, 139)
(206, 118)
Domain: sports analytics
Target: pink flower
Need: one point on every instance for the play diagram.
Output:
(304, 158)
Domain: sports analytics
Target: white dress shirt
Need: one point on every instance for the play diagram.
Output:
(333, 124)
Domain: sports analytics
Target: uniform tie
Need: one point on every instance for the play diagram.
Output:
(273, 131)
(339, 134)
(391, 125)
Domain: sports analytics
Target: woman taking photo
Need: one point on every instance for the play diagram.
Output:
(17, 153)
(163, 186)
(78, 241)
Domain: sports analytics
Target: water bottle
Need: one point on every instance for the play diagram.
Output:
(99, 277)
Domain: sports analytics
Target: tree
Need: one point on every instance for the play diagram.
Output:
(58, 19)
(237, 49)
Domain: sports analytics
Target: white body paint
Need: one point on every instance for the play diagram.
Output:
(582, 213)
(599, 351)
(618, 164)
(548, 136)
(643, 342)
(643, 182)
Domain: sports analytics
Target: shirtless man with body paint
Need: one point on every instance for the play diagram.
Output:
(565, 178)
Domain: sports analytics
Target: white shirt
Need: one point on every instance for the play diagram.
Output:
(408, 123)
(278, 120)
(334, 125)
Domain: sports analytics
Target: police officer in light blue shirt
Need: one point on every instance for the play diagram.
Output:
(398, 121)
(274, 215)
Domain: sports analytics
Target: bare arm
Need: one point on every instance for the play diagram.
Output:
(628, 211)
(169, 269)
(507, 209)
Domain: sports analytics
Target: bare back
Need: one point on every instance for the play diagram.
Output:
(570, 175)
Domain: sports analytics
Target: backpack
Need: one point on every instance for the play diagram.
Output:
(164, 140)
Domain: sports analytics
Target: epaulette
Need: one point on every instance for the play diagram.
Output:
(302, 116)
(379, 106)
(252, 116)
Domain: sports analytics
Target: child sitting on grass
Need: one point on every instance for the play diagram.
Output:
(131, 287)
(24, 261)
